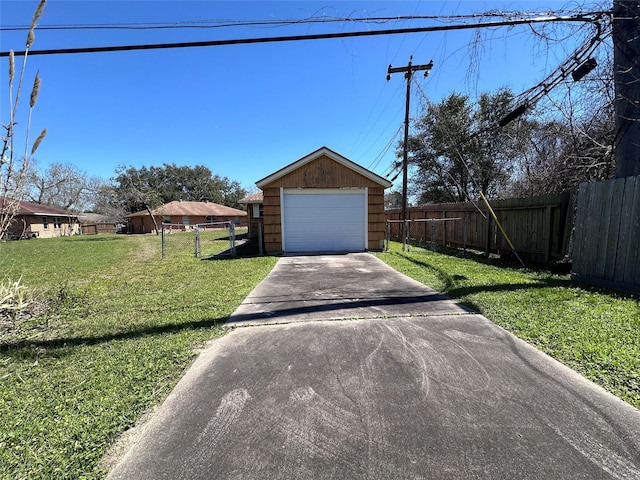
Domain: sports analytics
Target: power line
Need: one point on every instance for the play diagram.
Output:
(360, 139)
(586, 18)
(376, 161)
(225, 23)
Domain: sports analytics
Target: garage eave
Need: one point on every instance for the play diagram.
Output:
(324, 151)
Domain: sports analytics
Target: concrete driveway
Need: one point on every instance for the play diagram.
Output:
(364, 373)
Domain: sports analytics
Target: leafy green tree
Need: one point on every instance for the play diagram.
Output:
(454, 151)
(170, 182)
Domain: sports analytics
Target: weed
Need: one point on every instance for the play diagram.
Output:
(14, 297)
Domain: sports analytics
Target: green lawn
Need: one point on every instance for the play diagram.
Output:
(123, 325)
(594, 331)
(121, 328)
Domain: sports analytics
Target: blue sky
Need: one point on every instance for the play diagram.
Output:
(245, 111)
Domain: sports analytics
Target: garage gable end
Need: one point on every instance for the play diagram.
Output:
(323, 168)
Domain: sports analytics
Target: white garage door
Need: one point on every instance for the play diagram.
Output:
(330, 220)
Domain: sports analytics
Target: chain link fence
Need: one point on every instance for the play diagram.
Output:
(201, 240)
(428, 233)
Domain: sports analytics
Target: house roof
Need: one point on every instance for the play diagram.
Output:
(255, 198)
(192, 209)
(332, 155)
(30, 208)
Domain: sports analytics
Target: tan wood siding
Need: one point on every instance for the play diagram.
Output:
(272, 220)
(376, 217)
(323, 172)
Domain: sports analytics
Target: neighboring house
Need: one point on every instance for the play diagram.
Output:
(44, 221)
(322, 202)
(186, 214)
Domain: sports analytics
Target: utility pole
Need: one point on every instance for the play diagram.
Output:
(626, 45)
(408, 72)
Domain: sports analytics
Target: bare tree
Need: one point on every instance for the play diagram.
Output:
(14, 167)
(572, 138)
(107, 202)
(63, 185)
(134, 190)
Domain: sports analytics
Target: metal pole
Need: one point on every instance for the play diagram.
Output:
(433, 231)
(232, 238)
(387, 235)
(162, 240)
(196, 242)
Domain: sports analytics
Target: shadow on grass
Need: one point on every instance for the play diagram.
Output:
(479, 257)
(454, 290)
(508, 261)
(504, 260)
(248, 249)
(25, 347)
(97, 238)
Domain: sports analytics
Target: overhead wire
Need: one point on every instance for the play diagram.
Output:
(590, 18)
(373, 108)
(392, 99)
(376, 161)
(227, 23)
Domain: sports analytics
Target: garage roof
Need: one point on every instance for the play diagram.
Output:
(324, 151)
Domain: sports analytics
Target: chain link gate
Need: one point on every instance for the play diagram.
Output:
(211, 238)
(201, 240)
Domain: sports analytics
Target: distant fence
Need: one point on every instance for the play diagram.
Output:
(607, 245)
(539, 227)
(96, 228)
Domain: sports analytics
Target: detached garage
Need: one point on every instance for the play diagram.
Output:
(323, 202)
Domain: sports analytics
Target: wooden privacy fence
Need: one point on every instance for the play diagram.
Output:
(539, 227)
(96, 228)
(608, 234)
